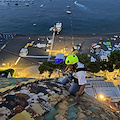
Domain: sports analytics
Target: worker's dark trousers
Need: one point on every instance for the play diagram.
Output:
(73, 88)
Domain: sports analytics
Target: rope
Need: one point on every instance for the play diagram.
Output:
(94, 90)
(36, 62)
(29, 60)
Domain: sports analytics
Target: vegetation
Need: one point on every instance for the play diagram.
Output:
(83, 58)
(114, 57)
(94, 67)
(46, 66)
(6, 71)
(49, 66)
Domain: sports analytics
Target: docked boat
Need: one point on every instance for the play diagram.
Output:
(58, 27)
(51, 29)
(27, 4)
(68, 12)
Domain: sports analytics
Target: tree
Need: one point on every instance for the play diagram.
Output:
(61, 65)
(49, 66)
(103, 65)
(46, 66)
(117, 66)
(94, 67)
(6, 72)
(114, 57)
(109, 66)
(83, 58)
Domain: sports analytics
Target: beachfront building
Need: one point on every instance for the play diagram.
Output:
(59, 58)
(102, 87)
(103, 90)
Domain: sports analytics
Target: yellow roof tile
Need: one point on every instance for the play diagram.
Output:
(38, 109)
(6, 88)
(26, 115)
(17, 117)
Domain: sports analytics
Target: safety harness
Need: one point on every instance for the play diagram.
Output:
(77, 70)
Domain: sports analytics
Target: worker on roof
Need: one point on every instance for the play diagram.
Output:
(78, 74)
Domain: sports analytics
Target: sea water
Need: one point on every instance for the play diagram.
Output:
(87, 17)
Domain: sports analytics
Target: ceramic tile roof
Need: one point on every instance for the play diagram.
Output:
(49, 100)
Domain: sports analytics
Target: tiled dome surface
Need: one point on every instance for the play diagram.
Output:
(49, 100)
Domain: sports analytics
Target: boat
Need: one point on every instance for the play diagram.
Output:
(68, 6)
(75, 2)
(51, 29)
(68, 12)
(41, 5)
(27, 4)
(16, 4)
(34, 24)
(58, 27)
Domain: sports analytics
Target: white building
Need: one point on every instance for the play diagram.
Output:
(99, 86)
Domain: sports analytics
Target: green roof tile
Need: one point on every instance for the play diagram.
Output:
(72, 115)
(88, 108)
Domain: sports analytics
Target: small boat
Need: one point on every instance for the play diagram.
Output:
(75, 2)
(34, 24)
(41, 5)
(58, 27)
(68, 6)
(16, 4)
(27, 4)
(68, 12)
(51, 29)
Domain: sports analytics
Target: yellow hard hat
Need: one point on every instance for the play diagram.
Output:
(71, 59)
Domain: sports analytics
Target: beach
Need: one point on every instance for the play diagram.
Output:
(11, 52)
(9, 55)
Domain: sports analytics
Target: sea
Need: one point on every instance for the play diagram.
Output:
(37, 16)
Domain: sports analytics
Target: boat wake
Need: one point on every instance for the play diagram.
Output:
(81, 6)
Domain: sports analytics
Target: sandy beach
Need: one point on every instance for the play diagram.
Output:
(84, 40)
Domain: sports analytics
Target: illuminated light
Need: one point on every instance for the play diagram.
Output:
(3, 64)
(101, 96)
